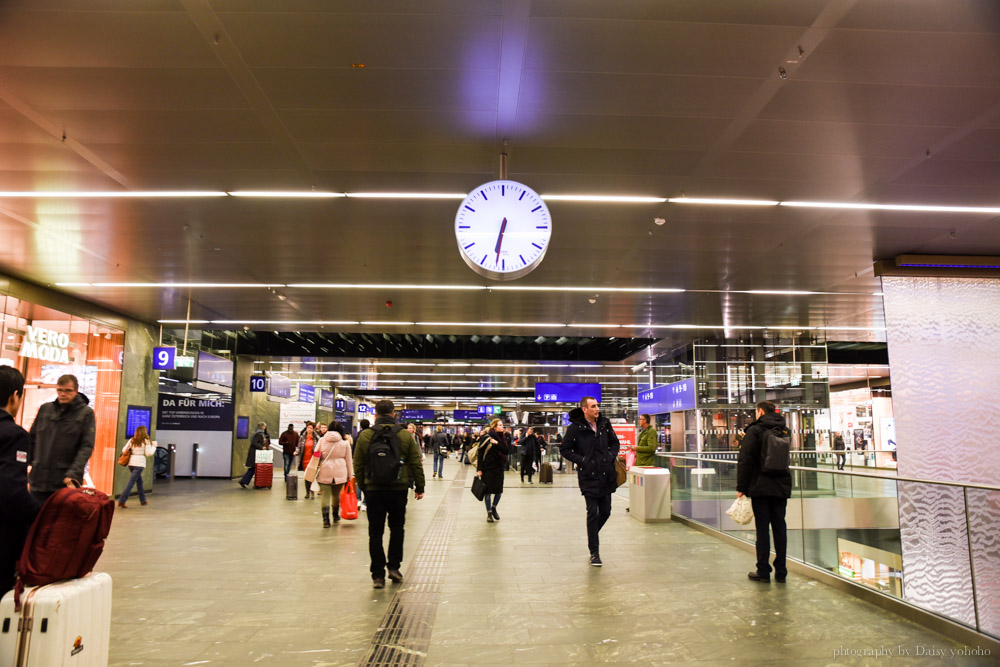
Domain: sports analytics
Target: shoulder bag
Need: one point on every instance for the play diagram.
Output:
(126, 456)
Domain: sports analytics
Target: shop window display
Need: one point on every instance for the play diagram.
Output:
(45, 344)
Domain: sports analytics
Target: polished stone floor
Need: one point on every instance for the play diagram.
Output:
(211, 574)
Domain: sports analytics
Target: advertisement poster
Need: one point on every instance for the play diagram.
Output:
(208, 423)
(626, 436)
(295, 413)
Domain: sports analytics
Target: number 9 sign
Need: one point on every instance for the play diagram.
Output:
(163, 358)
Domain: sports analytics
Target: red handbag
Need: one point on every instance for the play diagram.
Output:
(348, 501)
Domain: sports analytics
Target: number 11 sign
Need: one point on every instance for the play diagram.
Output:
(163, 358)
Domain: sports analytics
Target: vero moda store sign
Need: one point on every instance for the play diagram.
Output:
(46, 345)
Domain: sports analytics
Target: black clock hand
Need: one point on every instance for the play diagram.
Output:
(503, 227)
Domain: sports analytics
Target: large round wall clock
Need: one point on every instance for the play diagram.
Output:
(503, 230)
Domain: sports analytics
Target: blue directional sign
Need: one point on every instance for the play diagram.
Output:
(307, 393)
(467, 415)
(163, 358)
(258, 383)
(672, 397)
(489, 409)
(326, 398)
(417, 415)
(566, 392)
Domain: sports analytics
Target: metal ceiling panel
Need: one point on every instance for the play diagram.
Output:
(663, 48)
(640, 97)
(889, 104)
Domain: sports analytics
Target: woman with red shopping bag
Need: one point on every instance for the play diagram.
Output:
(334, 470)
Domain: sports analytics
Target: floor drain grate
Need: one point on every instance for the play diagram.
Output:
(404, 634)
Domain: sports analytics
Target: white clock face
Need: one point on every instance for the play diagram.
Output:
(503, 230)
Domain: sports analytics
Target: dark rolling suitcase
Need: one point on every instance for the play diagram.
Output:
(292, 487)
(545, 474)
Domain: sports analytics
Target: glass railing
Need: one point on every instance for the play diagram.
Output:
(847, 459)
(931, 544)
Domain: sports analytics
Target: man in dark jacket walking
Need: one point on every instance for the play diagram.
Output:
(17, 507)
(260, 440)
(768, 492)
(289, 441)
(592, 445)
(63, 440)
(387, 500)
(530, 452)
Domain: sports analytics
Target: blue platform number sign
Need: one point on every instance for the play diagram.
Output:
(163, 358)
(258, 383)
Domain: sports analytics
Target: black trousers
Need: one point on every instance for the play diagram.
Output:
(384, 505)
(770, 513)
(598, 512)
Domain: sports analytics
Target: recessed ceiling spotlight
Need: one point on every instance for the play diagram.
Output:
(660, 221)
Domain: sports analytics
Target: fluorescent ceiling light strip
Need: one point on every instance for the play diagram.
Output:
(273, 322)
(182, 321)
(610, 199)
(389, 324)
(120, 194)
(592, 289)
(406, 195)
(793, 328)
(170, 285)
(722, 201)
(847, 328)
(780, 292)
(490, 324)
(595, 326)
(384, 286)
(286, 194)
(918, 208)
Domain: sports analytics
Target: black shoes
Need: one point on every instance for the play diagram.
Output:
(595, 560)
(780, 580)
(243, 485)
(753, 576)
(396, 576)
(495, 515)
(378, 583)
(489, 518)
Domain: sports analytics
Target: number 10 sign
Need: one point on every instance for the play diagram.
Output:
(163, 358)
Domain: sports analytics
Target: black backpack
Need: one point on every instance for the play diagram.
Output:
(385, 462)
(776, 446)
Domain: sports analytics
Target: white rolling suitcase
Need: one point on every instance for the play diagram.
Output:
(63, 624)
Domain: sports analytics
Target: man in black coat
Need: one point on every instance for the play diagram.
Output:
(530, 451)
(768, 492)
(62, 440)
(17, 506)
(592, 445)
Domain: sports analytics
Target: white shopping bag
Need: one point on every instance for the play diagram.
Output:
(741, 511)
(264, 456)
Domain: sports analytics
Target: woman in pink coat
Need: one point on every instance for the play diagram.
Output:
(335, 469)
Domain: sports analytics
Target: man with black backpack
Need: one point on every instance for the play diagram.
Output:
(386, 464)
(763, 474)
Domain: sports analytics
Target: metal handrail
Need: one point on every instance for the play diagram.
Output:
(894, 478)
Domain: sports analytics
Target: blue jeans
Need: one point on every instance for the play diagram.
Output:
(248, 475)
(438, 462)
(496, 500)
(289, 460)
(134, 480)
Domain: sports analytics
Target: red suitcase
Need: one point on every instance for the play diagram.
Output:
(263, 475)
